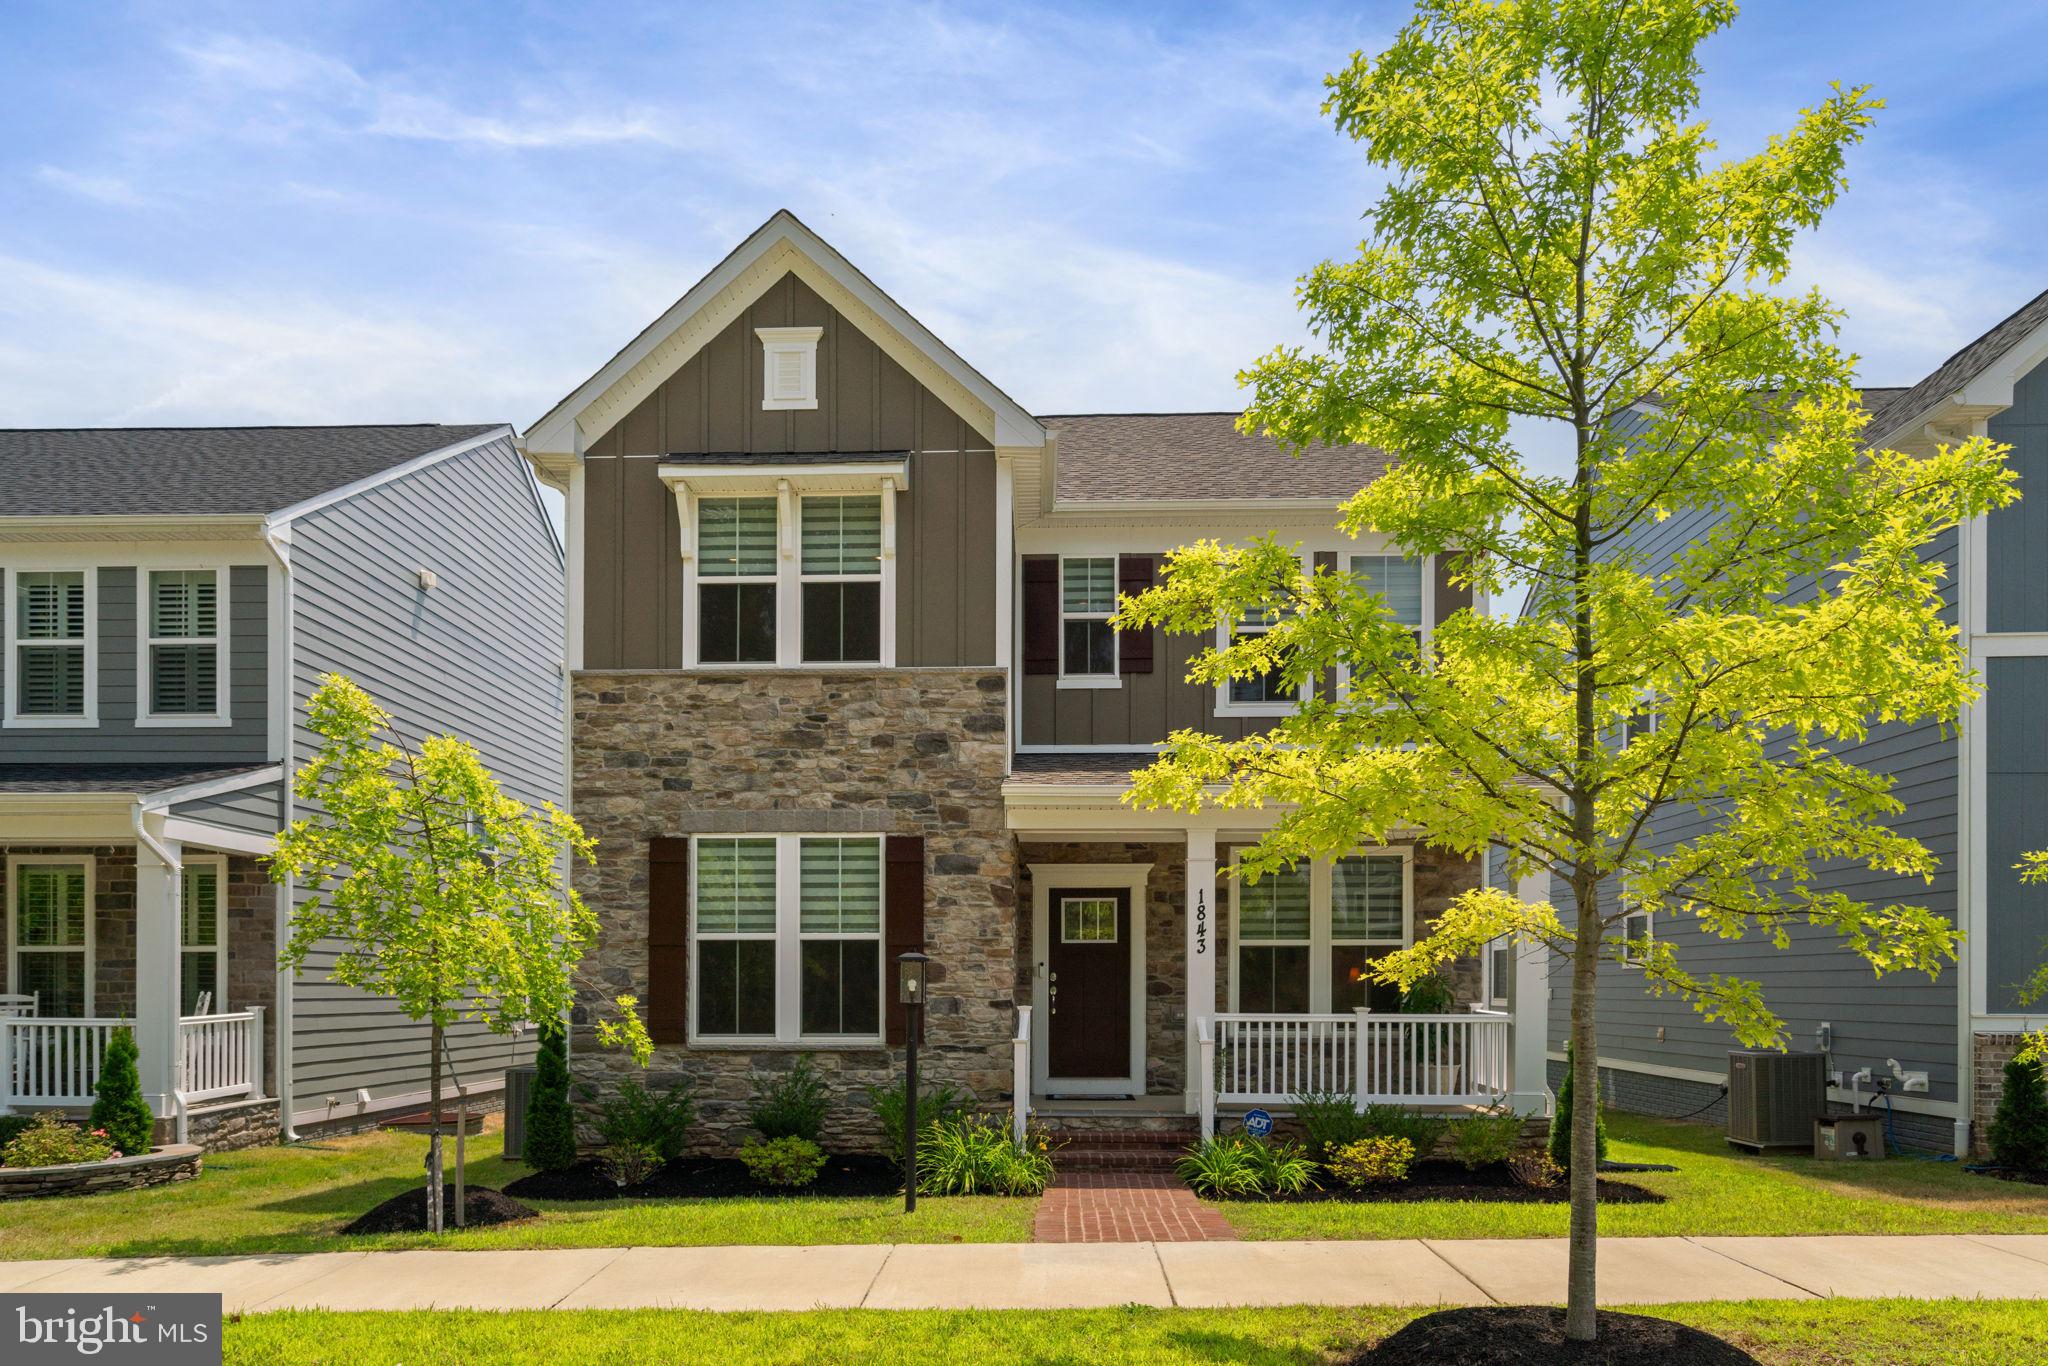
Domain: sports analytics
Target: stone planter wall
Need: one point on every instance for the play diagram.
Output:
(916, 751)
(243, 1124)
(174, 1162)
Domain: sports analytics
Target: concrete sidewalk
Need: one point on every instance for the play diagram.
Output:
(1077, 1276)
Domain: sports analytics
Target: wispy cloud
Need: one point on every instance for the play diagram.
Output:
(101, 189)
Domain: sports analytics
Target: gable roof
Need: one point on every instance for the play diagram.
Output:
(1953, 376)
(203, 471)
(1191, 457)
(782, 245)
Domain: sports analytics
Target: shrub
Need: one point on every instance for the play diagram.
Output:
(1373, 1161)
(1533, 1167)
(933, 1104)
(788, 1162)
(1561, 1122)
(1330, 1119)
(1219, 1166)
(117, 1103)
(550, 1123)
(656, 1120)
(1423, 1132)
(50, 1142)
(1283, 1168)
(792, 1105)
(629, 1162)
(970, 1155)
(11, 1127)
(2019, 1127)
(1483, 1140)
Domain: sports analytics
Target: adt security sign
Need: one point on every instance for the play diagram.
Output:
(1258, 1123)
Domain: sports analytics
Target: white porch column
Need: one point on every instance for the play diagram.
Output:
(1201, 940)
(1531, 1009)
(156, 971)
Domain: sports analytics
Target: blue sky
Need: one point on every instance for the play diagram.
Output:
(391, 212)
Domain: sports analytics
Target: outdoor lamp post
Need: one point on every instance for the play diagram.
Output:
(910, 986)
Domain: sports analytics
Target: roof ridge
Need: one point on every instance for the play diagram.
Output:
(270, 427)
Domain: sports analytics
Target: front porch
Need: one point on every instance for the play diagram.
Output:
(1151, 979)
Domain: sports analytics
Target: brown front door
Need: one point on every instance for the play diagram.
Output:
(1088, 991)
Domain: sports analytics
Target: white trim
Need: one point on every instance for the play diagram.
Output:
(1006, 556)
(399, 471)
(1086, 681)
(1637, 961)
(146, 717)
(1321, 911)
(218, 837)
(1114, 678)
(89, 948)
(214, 787)
(219, 864)
(93, 527)
(1131, 879)
(801, 342)
(89, 646)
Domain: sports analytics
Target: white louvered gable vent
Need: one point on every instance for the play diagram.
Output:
(789, 357)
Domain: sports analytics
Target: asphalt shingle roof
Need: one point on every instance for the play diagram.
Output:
(138, 779)
(198, 471)
(1129, 456)
(1959, 369)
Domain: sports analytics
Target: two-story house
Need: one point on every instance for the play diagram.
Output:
(168, 600)
(844, 685)
(1975, 789)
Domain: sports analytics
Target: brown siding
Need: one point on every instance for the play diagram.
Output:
(946, 571)
(1147, 708)
(1449, 599)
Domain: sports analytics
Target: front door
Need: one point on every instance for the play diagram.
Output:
(1088, 986)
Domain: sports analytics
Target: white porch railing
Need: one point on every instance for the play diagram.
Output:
(220, 1056)
(1020, 1077)
(1375, 1059)
(48, 1062)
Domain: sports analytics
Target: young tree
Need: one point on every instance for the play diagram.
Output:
(117, 1103)
(1553, 245)
(439, 890)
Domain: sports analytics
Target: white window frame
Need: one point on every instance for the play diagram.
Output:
(788, 938)
(1320, 915)
(11, 718)
(1638, 959)
(1497, 986)
(145, 714)
(1424, 633)
(884, 599)
(787, 485)
(1226, 632)
(15, 862)
(219, 864)
(801, 342)
(1115, 677)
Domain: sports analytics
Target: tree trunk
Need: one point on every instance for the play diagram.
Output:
(434, 1133)
(1581, 1323)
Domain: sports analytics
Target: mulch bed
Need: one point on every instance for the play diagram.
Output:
(2019, 1174)
(700, 1178)
(1436, 1179)
(407, 1212)
(1513, 1335)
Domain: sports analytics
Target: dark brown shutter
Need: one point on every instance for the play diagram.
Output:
(1134, 648)
(903, 924)
(1326, 682)
(1041, 614)
(1450, 598)
(668, 939)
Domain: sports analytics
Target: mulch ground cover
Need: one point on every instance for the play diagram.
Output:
(2023, 1175)
(407, 1212)
(704, 1178)
(1436, 1179)
(1512, 1335)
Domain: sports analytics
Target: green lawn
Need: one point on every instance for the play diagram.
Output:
(1715, 1191)
(1811, 1333)
(294, 1199)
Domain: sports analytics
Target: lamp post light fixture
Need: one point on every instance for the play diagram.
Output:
(911, 969)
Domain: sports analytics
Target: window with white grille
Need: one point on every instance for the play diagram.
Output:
(186, 676)
(50, 657)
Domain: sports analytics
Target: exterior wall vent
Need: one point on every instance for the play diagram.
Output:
(789, 366)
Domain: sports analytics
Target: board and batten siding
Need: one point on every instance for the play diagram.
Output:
(867, 404)
(117, 739)
(477, 656)
(2016, 536)
(2015, 712)
(1903, 1014)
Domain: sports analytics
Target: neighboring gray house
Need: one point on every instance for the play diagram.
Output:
(1976, 793)
(169, 597)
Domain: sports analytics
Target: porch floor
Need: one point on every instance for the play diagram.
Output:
(1125, 1207)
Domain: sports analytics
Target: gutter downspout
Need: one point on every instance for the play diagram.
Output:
(142, 835)
(277, 540)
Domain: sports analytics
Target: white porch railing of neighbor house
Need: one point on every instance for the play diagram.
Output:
(1375, 1059)
(1020, 1076)
(52, 1062)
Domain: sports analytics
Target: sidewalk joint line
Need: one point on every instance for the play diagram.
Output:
(888, 1254)
(1456, 1270)
(1769, 1275)
(617, 1253)
(1164, 1275)
(1978, 1240)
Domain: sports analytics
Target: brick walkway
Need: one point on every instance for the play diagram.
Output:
(1125, 1207)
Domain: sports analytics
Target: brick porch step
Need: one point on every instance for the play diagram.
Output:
(1094, 1158)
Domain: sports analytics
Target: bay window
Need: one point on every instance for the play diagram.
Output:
(1306, 937)
(50, 657)
(184, 678)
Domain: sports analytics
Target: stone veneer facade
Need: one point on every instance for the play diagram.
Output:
(913, 751)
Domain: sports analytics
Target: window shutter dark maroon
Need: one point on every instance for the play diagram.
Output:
(1450, 597)
(668, 939)
(1134, 648)
(903, 923)
(1326, 683)
(1041, 614)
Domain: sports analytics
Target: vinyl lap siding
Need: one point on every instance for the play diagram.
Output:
(476, 656)
(253, 811)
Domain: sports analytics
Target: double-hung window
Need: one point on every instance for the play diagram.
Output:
(1261, 692)
(1368, 921)
(1088, 647)
(1398, 580)
(1274, 943)
(787, 938)
(1637, 935)
(842, 578)
(1307, 937)
(50, 653)
(185, 678)
(736, 580)
(50, 936)
(202, 938)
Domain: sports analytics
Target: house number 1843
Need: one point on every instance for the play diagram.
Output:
(1201, 922)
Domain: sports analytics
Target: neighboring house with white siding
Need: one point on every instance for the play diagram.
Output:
(169, 598)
